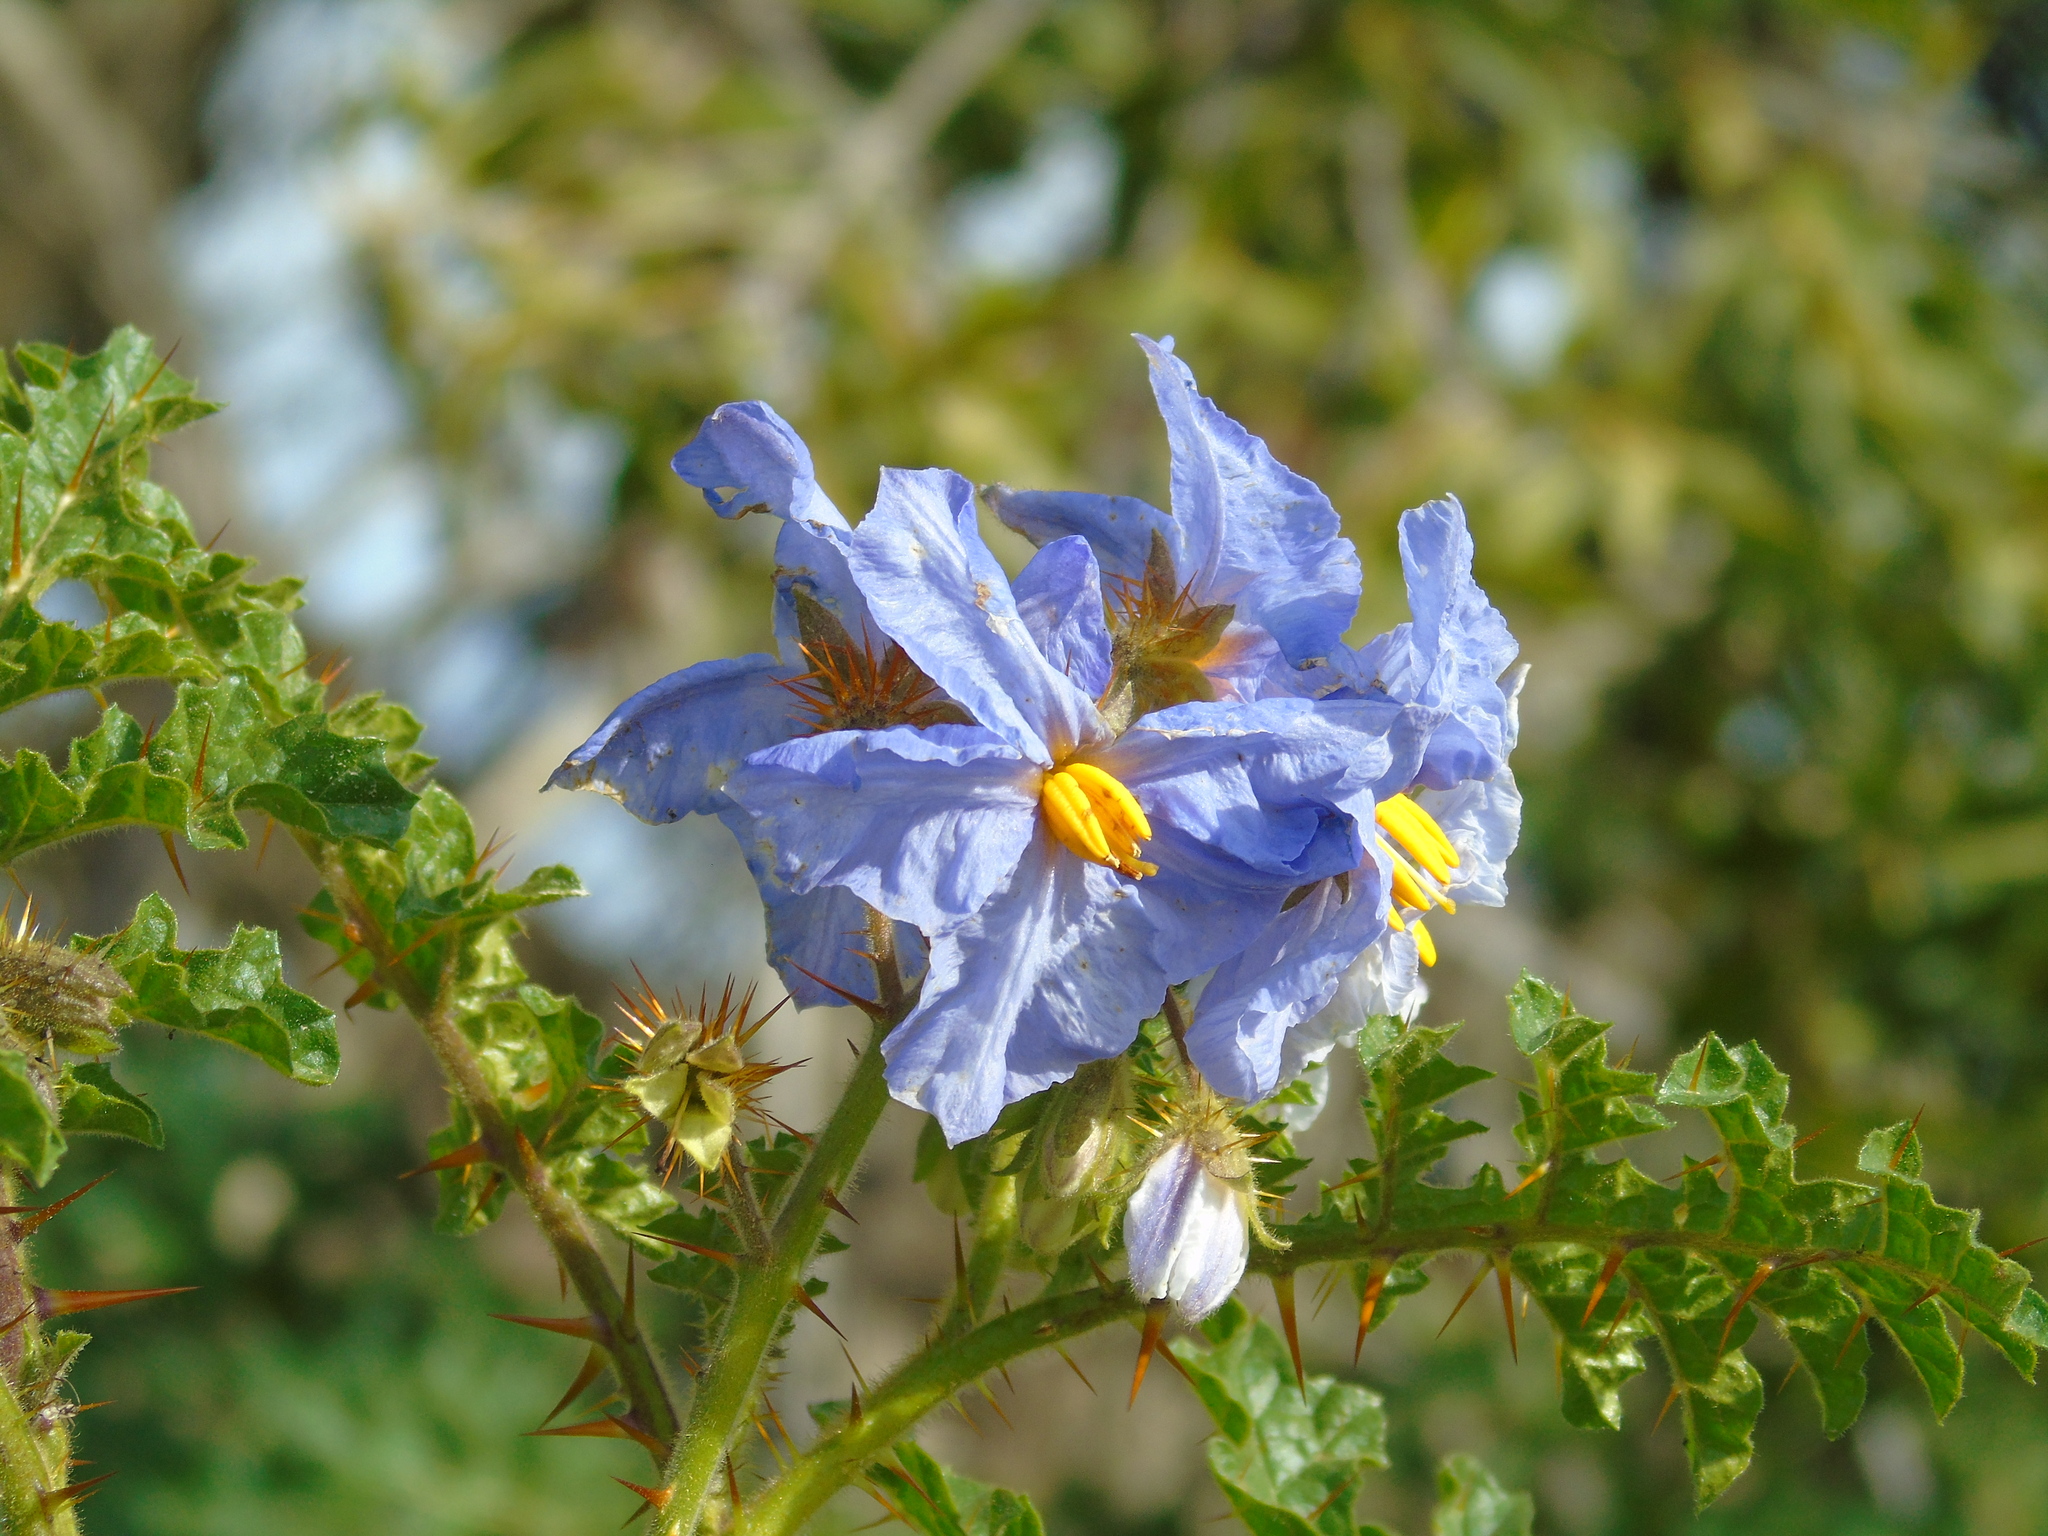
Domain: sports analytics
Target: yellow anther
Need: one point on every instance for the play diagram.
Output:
(1419, 835)
(1408, 890)
(1112, 802)
(1425, 946)
(1096, 817)
(1396, 922)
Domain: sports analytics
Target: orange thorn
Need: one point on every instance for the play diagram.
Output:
(1812, 1136)
(1627, 1307)
(732, 1481)
(872, 1010)
(199, 767)
(1697, 1068)
(362, 994)
(1061, 1352)
(1534, 1174)
(2006, 1253)
(853, 1412)
(36, 1215)
(1668, 1401)
(1476, 1278)
(62, 1303)
(1906, 1140)
(592, 1364)
(1155, 1319)
(589, 1329)
(1283, 1297)
(832, 1204)
(1607, 1273)
(1855, 1329)
(1705, 1162)
(657, 1497)
(461, 1157)
(171, 852)
(16, 1321)
(1794, 1371)
(57, 1498)
(490, 1188)
(811, 1306)
(1763, 1273)
(269, 826)
(1507, 1303)
(1366, 1307)
(1926, 1295)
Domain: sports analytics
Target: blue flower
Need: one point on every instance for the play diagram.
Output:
(1064, 872)
(1249, 576)
(1187, 1230)
(1448, 815)
(667, 751)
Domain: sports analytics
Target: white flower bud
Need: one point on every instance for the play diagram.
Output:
(1187, 1231)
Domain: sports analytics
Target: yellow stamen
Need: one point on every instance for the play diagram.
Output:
(1419, 836)
(1396, 922)
(1425, 946)
(1096, 817)
(1407, 889)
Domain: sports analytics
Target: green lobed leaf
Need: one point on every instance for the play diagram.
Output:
(91, 1103)
(936, 1502)
(1289, 1459)
(1470, 1503)
(29, 1133)
(236, 994)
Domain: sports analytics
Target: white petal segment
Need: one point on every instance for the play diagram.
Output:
(1187, 1233)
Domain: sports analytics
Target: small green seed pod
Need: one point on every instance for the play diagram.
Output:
(51, 995)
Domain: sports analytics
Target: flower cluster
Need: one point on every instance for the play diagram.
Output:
(1148, 762)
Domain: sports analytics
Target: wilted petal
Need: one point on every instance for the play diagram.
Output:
(1256, 534)
(745, 458)
(921, 825)
(666, 752)
(1483, 820)
(1054, 970)
(1451, 656)
(1186, 1233)
(932, 584)
(1059, 597)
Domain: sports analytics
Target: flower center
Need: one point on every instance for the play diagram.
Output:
(1423, 860)
(1095, 816)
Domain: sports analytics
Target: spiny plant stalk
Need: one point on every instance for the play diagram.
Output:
(765, 1290)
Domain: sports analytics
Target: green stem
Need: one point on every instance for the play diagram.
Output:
(763, 1292)
(921, 1384)
(33, 1460)
(951, 1362)
(560, 1222)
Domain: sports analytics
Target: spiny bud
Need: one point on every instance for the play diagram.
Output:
(1188, 1228)
(57, 995)
(690, 1073)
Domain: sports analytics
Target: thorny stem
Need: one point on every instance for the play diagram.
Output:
(553, 1211)
(763, 1292)
(951, 1362)
(33, 1460)
(744, 1206)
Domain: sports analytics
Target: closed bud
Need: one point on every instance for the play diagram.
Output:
(1188, 1228)
(1084, 1128)
(58, 995)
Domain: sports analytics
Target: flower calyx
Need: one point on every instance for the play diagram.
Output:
(1158, 637)
(853, 686)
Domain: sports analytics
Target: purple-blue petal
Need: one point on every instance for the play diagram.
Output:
(1054, 970)
(1256, 534)
(815, 563)
(1059, 597)
(745, 458)
(667, 751)
(1450, 656)
(1289, 973)
(1118, 528)
(933, 585)
(922, 825)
